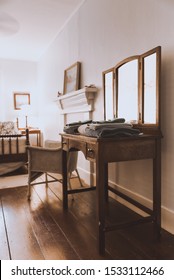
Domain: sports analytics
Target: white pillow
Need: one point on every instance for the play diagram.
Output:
(8, 127)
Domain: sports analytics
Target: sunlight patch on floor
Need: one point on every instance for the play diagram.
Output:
(15, 181)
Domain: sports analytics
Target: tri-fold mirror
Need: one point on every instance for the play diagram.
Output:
(132, 91)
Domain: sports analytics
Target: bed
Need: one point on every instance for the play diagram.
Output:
(13, 144)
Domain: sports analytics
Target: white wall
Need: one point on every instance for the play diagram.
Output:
(100, 34)
(17, 76)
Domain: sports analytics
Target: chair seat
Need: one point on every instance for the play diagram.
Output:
(49, 160)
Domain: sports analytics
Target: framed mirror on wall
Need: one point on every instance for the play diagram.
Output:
(132, 90)
(72, 78)
(21, 100)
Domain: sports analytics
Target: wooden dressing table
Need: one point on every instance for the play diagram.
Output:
(131, 91)
(102, 151)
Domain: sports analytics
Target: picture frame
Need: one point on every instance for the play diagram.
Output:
(72, 78)
(21, 99)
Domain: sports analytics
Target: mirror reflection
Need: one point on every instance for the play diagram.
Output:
(128, 91)
(150, 89)
(109, 97)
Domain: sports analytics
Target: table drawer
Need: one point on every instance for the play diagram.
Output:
(65, 144)
(90, 151)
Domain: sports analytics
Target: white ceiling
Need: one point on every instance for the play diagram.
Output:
(28, 27)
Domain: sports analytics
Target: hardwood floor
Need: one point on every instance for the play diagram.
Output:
(41, 229)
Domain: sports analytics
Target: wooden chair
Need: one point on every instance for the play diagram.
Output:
(49, 160)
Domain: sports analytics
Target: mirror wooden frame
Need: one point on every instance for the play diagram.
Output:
(152, 128)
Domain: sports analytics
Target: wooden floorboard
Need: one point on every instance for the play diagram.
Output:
(4, 251)
(51, 238)
(82, 242)
(83, 208)
(22, 241)
(41, 229)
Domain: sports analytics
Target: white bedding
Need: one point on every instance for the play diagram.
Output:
(22, 146)
(9, 167)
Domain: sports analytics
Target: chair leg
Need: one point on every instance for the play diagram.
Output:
(69, 183)
(78, 176)
(29, 192)
(46, 179)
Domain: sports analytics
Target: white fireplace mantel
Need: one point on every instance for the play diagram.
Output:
(78, 101)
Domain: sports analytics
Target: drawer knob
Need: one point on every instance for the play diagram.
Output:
(90, 152)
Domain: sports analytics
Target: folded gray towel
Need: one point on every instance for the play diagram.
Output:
(72, 128)
(78, 123)
(94, 126)
(108, 132)
(116, 120)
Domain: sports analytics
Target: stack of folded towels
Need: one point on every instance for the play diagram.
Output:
(102, 129)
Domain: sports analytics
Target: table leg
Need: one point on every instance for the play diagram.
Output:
(157, 190)
(65, 180)
(106, 181)
(101, 194)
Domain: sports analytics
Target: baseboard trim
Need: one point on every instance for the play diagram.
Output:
(167, 215)
(87, 177)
